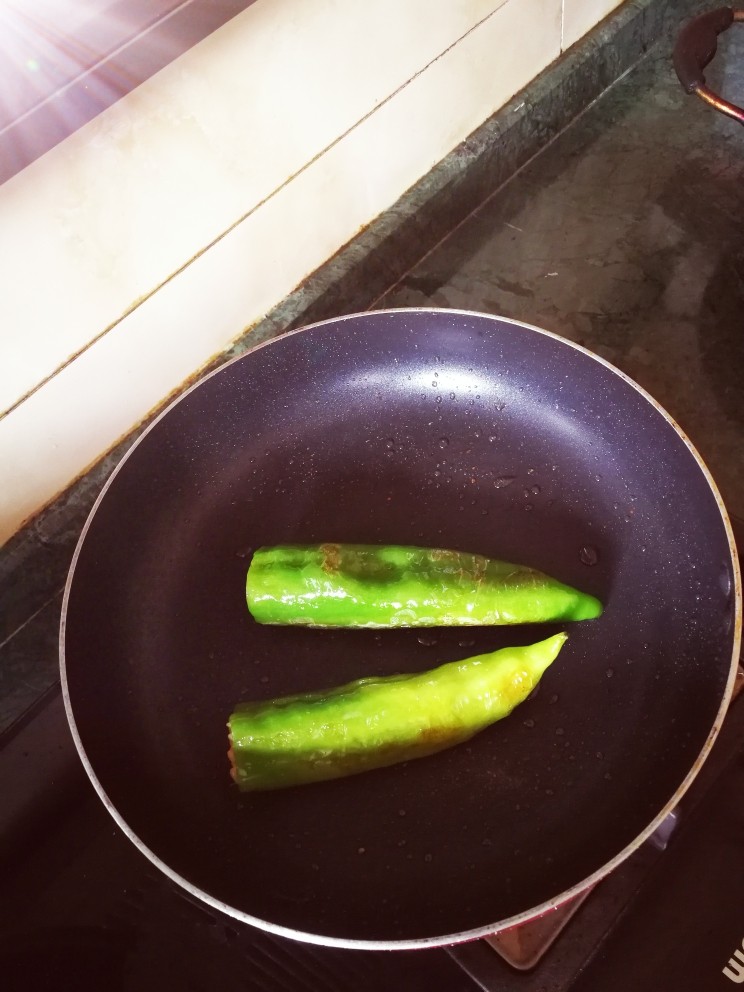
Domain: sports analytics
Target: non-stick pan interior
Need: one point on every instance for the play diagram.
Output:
(422, 427)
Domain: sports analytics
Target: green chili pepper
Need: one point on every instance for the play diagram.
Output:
(357, 585)
(375, 722)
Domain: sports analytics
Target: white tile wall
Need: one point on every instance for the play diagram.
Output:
(579, 16)
(110, 214)
(140, 247)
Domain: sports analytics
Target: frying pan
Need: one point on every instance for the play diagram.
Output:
(441, 428)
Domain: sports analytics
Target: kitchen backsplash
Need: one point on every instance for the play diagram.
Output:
(144, 244)
(579, 16)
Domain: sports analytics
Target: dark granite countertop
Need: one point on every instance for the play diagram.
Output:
(624, 233)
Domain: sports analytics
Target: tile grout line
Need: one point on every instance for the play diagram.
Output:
(563, 23)
(28, 620)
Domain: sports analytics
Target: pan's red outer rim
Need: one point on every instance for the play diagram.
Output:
(497, 925)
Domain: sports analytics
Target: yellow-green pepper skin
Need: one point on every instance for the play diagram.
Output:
(357, 585)
(375, 722)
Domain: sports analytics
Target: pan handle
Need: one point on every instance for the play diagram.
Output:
(696, 45)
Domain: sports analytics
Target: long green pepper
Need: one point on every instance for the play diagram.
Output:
(375, 722)
(357, 585)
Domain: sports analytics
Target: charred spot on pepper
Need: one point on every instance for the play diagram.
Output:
(440, 736)
(331, 558)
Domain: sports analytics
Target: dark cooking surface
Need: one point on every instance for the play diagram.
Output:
(399, 427)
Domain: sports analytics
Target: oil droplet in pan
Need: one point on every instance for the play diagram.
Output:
(588, 555)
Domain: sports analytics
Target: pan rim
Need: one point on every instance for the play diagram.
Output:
(419, 943)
